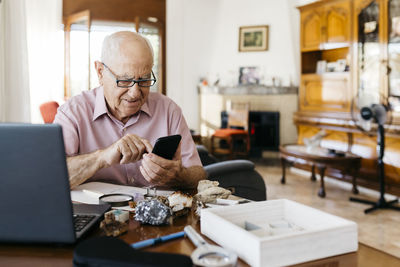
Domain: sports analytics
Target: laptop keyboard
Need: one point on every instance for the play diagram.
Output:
(80, 221)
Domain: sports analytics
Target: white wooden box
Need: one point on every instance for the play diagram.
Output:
(289, 233)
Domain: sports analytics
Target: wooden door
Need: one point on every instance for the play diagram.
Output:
(311, 24)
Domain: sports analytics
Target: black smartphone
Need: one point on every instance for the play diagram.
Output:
(166, 146)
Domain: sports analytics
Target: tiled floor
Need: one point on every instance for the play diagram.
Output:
(379, 229)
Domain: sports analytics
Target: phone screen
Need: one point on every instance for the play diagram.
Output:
(166, 146)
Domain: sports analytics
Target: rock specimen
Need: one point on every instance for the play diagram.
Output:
(115, 222)
(209, 191)
(152, 212)
(180, 203)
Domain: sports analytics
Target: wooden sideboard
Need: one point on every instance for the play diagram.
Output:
(360, 33)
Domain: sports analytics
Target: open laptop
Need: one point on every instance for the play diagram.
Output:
(35, 201)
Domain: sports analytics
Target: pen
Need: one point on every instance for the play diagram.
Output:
(157, 240)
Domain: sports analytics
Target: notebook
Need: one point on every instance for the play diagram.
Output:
(35, 201)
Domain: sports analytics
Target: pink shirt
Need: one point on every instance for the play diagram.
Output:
(88, 126)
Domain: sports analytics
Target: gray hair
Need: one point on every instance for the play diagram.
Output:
(111, 43)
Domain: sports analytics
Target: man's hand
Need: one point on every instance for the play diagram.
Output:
(129, 148)
(162, 172)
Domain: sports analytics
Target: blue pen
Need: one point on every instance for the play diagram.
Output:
(153, 241)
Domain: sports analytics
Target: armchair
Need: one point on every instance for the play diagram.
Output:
(239, 176)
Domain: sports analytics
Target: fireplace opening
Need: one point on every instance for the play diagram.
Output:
(263, 131)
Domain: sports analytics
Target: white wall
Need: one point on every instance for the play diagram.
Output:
(202, 40)
(190, 46)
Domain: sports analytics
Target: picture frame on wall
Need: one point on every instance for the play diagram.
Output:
(253, 38)
(249, 75)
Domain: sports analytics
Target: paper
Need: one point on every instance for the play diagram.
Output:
(81, 193)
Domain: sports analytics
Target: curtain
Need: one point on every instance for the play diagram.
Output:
(31, 58)
(45, 39)
(14, 76)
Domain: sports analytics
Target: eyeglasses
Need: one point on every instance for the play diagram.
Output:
(131, 82)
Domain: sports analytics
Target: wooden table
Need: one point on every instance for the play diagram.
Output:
(321, 159)
(24, 255)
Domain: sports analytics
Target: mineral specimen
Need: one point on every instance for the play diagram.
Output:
(180, 203)
(209, 191)
(204, 184)
(152, 212)
(113, 226)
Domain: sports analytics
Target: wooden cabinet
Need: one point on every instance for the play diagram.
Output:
(325, 26)
(328, 91)
(366, 34)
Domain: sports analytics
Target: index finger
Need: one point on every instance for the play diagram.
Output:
(147, 144)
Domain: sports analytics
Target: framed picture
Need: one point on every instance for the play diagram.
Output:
(249, 75)
(253, 38)
(321, 66)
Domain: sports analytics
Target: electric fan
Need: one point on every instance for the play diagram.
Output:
(370, 113)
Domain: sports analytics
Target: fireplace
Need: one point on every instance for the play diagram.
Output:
(263, 131)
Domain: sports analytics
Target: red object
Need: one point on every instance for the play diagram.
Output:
(48, 111)
(228, 132)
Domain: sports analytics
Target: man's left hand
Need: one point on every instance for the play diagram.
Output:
(162, 172)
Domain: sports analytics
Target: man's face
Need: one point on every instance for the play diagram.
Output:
(125, 102)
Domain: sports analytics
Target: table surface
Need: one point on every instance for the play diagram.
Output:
(317, 153)
(46, 255)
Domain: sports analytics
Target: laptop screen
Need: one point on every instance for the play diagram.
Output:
(35, 201)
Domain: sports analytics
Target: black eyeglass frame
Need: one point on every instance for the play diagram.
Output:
(153, 80)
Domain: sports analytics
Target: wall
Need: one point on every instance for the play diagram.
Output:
(203, 37)
(190, 41)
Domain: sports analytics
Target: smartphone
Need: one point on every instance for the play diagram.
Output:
(166, 146)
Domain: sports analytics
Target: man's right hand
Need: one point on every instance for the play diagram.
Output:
(129, 148)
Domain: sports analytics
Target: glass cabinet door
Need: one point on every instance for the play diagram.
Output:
(369, 53)
(394, 53)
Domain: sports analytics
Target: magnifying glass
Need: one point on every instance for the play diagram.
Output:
(209, 255)
(116, 200)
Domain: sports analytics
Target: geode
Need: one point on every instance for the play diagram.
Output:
(152, 212)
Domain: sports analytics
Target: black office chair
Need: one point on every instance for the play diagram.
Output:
(239, 176)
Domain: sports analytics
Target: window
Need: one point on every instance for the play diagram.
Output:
(83, 47)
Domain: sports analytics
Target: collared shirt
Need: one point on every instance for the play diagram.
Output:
(88, 126)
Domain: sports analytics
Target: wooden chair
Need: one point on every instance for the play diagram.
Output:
(233, 141)
(48, 111)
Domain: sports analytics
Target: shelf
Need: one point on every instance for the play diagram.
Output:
(327, 74)
(255, 89)
(327, 46)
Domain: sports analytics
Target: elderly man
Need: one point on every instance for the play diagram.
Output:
(109, 131)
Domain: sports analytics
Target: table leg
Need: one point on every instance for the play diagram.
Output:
(321, 191)
(313, 177)
(283, 163)
(355, 174)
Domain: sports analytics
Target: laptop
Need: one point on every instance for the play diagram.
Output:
(35, 200)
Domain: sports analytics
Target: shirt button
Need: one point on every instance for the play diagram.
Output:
(131, 180)
(124, 130)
